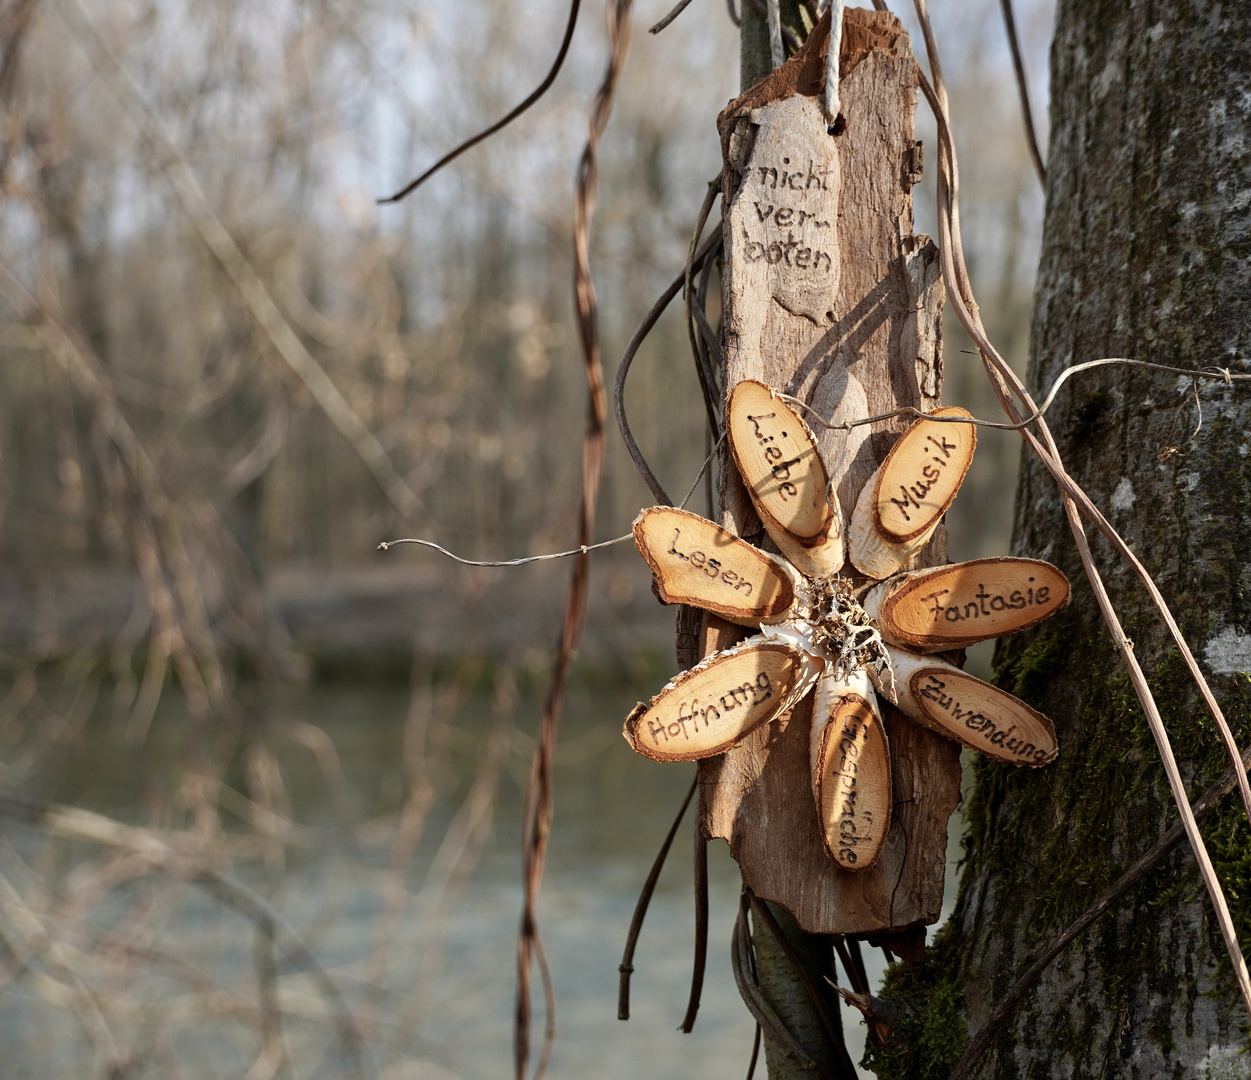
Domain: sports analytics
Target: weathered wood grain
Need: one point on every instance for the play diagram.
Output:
(696, 562)
(879, 349)
(952, 607)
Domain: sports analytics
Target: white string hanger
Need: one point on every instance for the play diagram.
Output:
(831, 104)
(582, 549)
(1214, 374)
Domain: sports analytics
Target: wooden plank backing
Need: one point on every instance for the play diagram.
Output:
(880, 348)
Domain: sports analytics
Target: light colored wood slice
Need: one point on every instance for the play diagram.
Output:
(777, 457)
(697, 562)
(921, 475)
(905, 499)
(850, 771)
(868, 551)
(820, 561)
(950, 607)
(976, 714)
(706, 710)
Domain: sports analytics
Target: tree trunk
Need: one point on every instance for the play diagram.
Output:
(1146, 254)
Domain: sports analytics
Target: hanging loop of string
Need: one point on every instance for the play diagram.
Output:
(582, 549)
(1215, 374)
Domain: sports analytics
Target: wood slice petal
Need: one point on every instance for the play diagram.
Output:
(903, 502)
(698, 562)
(850, 771)
(777, 458)
(974, 713)
(921, 475)
(950, 607)
(706, 710)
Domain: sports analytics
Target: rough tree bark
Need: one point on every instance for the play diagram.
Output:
(1146, 254)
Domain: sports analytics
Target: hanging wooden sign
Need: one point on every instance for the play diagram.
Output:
(951, 607)
(902, 504)
(777, 457)
(711, 707)
(696, 562)
(824, 814)
(973, 713)
(850, 771)
(869, 345)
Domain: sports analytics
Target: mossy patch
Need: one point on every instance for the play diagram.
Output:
(928, 1035)
(1092, 799)
(1042, 845)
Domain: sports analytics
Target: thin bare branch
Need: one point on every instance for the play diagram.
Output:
(703, 369)
(539, 91)
(680, 7)
(177, 855)
(537, 817)
(627, 358)
(626, 967)
(1022, 86)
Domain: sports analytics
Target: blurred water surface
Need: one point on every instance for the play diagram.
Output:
(446, 1000)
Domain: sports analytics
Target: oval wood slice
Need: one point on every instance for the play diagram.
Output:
(950, 607)
(921, 475)
(777, 457)
(850, 771)
(903, 502)
(706, 710)
(974, 713)
(698, 562)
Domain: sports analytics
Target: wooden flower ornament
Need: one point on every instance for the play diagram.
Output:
(821, 634)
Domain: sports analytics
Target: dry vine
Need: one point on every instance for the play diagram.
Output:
(537, 819)
(183, 637)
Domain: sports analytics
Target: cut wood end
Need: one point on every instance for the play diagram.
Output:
(973, 713)
(777, 457)
(697, 562)
(850, 773)
(921, 475)
(822, 561)
(714, 705)
(951, 607)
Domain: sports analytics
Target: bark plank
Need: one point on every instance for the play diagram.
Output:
(874, 346)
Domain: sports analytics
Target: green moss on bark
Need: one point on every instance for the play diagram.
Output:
(1105, 801)
(928, 1035)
